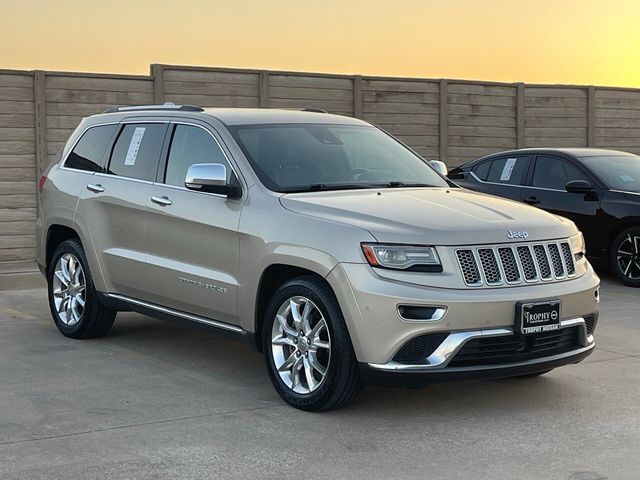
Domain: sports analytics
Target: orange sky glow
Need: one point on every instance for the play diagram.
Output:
(537, 41)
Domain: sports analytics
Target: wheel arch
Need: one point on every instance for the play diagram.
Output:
(623, 224)
(56, 234)
(272, 277)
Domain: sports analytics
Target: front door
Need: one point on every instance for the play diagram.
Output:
(547, 191)
(193, 249)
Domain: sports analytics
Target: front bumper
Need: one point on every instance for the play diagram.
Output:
(438, 365)
(370, 307)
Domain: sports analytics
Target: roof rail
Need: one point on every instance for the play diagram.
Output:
(164, 106)
(315, 110)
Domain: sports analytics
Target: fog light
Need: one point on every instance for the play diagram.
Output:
(422, 313)
(596, 294)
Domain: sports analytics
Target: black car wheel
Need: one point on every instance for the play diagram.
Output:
(625, 256)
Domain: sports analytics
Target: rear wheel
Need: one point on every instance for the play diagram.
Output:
(307, 348)
(625, 256)
(73, 300)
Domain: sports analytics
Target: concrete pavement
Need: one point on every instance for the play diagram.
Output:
(154, 400)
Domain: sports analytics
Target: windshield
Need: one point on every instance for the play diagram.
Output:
(618, 172)
(305, 157)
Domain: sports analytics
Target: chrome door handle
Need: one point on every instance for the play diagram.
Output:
(164, 201)
(95, 188)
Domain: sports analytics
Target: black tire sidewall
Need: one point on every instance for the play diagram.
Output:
(340, 342)
(634, 231)
(73, 247)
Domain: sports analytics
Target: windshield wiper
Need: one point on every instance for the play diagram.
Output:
(397, 184)
(316, 187)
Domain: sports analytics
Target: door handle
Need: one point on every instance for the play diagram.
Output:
(531, 200)
(95, 188)
(163, 201)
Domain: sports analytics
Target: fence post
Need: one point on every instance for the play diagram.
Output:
(157, 73)
(443, 120)
(263, 89)
(357, 96)
(591, 116)
(40, 121)
(520, 118)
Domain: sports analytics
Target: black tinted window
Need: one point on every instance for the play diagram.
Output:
(137, 151)
(508, 170)
(88, 153)
(482, 170)
(554, 172)
(191, 145)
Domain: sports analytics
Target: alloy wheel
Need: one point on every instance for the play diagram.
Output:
(69, 289)
(301, 345)
(628, 257)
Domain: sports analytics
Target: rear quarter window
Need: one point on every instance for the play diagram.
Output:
(88, 154)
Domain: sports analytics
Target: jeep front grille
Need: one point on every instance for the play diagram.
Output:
(530, 263)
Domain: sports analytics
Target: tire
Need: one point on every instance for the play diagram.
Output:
(322, 347)
(69, 266)
(532, 375)
(626, 266)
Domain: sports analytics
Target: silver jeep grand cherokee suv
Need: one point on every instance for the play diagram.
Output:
(335, 250)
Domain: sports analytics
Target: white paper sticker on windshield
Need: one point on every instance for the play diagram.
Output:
(508, 169)
(134, 146)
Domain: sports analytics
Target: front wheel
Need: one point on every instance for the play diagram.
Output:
(307, 348)
(625, 256)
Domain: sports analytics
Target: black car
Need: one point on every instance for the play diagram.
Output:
(598, 189)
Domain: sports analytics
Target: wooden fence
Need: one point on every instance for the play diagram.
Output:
(450, 120)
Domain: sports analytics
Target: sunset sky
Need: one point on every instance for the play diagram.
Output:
(541, 41)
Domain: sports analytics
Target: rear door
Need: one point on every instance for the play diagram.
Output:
(546, 190)
(502, 176)
(113, 206)
(193, 236)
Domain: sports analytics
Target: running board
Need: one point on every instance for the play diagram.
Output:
(176, 313)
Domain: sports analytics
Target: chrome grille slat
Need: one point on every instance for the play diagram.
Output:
(556, 260)
(515, 264)
(489, 264)
(529, 270)
(569, 264)
(543, 262)
(510, 265)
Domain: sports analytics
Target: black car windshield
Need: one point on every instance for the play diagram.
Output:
(307, 157)
(618, 172)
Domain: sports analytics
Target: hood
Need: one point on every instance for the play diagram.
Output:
(434, 216)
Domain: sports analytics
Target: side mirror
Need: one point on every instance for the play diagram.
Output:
(211, 178)
(441, 167)
(579, 186)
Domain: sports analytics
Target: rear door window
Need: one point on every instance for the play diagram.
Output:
(554, 173)
(88, 154)
(506, 170)
(136, 153)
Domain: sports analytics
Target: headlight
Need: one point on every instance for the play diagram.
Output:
(402, 257)
(578, 247)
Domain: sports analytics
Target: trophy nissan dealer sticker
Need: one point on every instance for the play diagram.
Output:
(134, 146)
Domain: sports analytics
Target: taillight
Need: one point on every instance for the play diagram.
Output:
(41, 183)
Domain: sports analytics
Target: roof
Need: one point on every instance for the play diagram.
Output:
(230, 116)
(572, 152)
(249, 116)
